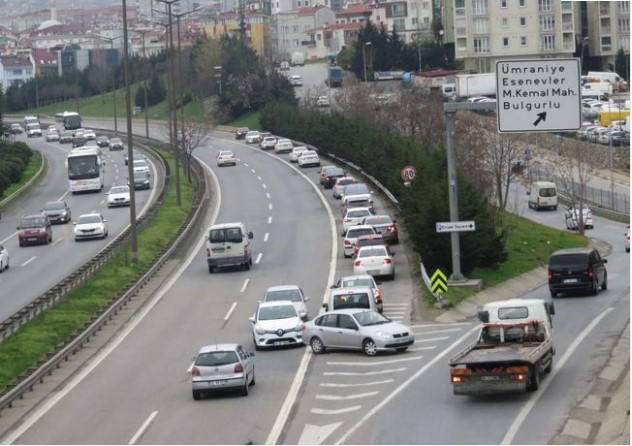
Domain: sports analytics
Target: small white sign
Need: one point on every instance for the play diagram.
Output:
(538, 95)
(455, 226)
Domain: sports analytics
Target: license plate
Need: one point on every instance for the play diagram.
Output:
(221, 382)
(281, 342)
(570, 280)
(490, 378)
(31, 239)
(373, 272)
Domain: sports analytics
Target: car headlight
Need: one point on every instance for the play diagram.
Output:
(259, 330)
(64, 213)
(42, 230)
(384, 335)
(299, 327)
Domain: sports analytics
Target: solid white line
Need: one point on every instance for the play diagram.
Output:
(57, 240)
(378, 372)
(258, 258)
(405, 384)
(342, 397)
(265, 237)
(6, 239)
(135, 321)
(447, 330)
(334, 411)
(395, 305)
(269, 219)
(391, 361)
(442, 338)
(230, 311)
(374, 383)
(418, 349)
(515, 426)
(243, 287)
(258, 177)
(143, 428)
(440, 325)
(264, 185)
(29, 261)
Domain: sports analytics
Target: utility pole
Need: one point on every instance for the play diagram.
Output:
(111, 41)
(143, 32)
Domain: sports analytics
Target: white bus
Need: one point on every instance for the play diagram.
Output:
(69, 120)
(86, 169)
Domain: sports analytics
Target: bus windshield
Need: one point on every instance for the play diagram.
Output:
(83, 167)
(72, 121)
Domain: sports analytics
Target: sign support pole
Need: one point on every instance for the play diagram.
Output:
(453, 194)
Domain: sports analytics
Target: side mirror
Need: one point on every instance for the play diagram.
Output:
(306, 298)
(250, 235)
(326, 307)
(105, 221)
(252, 319)
(483, 316)
(605, 260)
(18, 228)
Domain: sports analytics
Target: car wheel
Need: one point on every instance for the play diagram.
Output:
(604, 285)
(245, 390)
(1, 267)
(211, 269)
(627, 249)
(369, 347)
(595, 289)
(247, 265)
(534, 378)
(317, 345)
(196, 395)
(555, 208)
(549, 367)
(392, 276)
(253, 382)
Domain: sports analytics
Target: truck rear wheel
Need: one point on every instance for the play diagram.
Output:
(534, 378)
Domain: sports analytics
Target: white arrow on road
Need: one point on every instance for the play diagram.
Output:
(313, 434)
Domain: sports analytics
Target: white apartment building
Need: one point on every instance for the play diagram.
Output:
(411, 19)
(293, 26)
(608, 31)
(489, 30)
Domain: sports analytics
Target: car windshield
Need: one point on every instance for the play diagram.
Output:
(366, 318)
(356, 189)
(88, 219)
(291, 295)
(33, 222)
(230, 235)
(216, 359)
(374, 251)
(53, 205)
(277, 312)
(358, 203)
(345, 181)
(83, 167)
(140, 163)
(358, 282)
(351, 300)
(119, 190)
(358, 213)
(355, 232)
(225, 153)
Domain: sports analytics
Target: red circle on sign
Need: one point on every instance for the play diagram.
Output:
(408, 173)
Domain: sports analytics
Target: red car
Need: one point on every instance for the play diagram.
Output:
(35, 229)
(369, 240)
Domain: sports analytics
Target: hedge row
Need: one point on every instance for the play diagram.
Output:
(14, 157)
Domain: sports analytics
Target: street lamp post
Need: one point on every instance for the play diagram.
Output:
(143, 32)
(37, 93)
(364, 57)
(218, 76)
(111, 41)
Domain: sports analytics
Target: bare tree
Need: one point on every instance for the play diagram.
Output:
(471, 140)
(191, 135)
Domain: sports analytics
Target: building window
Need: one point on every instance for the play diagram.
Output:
(547, 22)
(319, 37)
(545, 5)
(523, 41)
(624, 42)
(505, 42)
(481, 46)
(504, 22)
(426, 20)
(426, 5)
(523, 21)
(459, 7)
(296, 42)
(399, 25)
(503, 3)
(295, 28)
(624, 8)
(460, 27)
(606, 44)
(398, 10)
(414, 22)
(522, 3)
(479, 7)
(547, 42)
(624, 25)
(285, 30)
(480, 26)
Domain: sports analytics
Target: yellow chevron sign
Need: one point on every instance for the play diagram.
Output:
(439, 282)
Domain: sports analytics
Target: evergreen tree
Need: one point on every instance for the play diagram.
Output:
(622, 64)
(156, 92)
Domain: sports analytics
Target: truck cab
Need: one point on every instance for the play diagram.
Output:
(518, 310)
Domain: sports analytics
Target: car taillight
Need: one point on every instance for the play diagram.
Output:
(387, 261)
(391, 228)
(358, 263)
(208, 252)
(347, 242)
(239, 368)
(590, 272)
(550, 275)
(195, 371)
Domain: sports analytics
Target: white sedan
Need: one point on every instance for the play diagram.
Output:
(52, 135)
(89, 135)
(226, 158)
(253, 137)
(571, 217)
(296, 153)
(309, 158)
(4, 258)
(90, 226)
(118, 196)
(322, 101)
(374, 260)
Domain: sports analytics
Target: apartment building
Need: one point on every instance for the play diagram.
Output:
(15, 70)
(330, 39)
(293, 26)
(258, 30)
(608, 30)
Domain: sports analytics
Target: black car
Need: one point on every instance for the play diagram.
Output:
(620, 139)
(329, 179)
(103, 141)
(577, 270)
(240, 133)
(57, 211)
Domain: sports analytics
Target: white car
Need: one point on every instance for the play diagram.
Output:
(296, 80)
(351, 236)
(89, 135)
(296, 153)
(253, 137)
(374, 260)
(118, 196)
(572, 218)
(268, 142)
(276, 324)
(354, 217)
(4, 258)
(293, 293)
(226, 158)
(340, 184)
(322, 101)
(283, 145)
(52, 135)
(309, 158)
(141, 166)
(90, 226)
(362, 280)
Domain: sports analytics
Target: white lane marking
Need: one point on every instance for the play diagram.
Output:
(258, 177)
(253, 170)
(374, 383)
(141, 430)
(442, 338)
(29, 261)
(270, 220)
(57, 240)
(246, 164)
(264, 185)
(318, 411)
(135, 321)
(440, 325)
(243, 287)
(517, 423)
(378, 372)
(258, 258)
(270, 206)
(6, 239)
(405, 384)
(347, 397)
(417, 349)
(313, 434)
(395, 305)
(388, 361)
(267, 194)
(230, 311)
(265, 237)
(102, 201)
(447, 330)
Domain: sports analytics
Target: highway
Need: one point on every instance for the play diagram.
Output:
(42, 262)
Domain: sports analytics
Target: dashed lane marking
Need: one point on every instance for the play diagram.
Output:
(258, 258)
(264, 185)
(29, 261)
(265, 237)
(243, 287)
(270, 220)
(230, 311)
(258, 177)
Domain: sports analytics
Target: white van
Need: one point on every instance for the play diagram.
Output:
(228, 244)
(518, 310)
(542, 194)
(618, 83)
(351, 297)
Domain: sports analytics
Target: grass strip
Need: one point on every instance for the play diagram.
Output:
(35, 162)
(529, 245)
(55, 326)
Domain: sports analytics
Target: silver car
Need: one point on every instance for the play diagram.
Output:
(354, 329)
(293, 293)
(222, 367)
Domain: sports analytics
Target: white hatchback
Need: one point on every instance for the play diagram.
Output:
(374, 260)
(354, 217)
(276, 323)
(226, 157)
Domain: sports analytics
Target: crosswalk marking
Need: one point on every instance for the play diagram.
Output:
(356, 363)
(378, 372)
(334, 411)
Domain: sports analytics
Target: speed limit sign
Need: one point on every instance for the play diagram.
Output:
(408, 173)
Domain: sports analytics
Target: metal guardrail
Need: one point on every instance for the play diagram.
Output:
(99, 321)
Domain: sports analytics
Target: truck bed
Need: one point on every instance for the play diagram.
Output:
(503, 353)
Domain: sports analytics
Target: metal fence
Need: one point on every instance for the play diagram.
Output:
(614, 201)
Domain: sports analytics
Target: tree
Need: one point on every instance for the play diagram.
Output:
(622, 64)
(156, 92)
(190, 136)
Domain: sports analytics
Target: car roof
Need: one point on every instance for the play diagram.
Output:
(218, 347)
(358, 209)
(275, 303)
(357, 276)
(34, 216)
(91, 214)
(350, 289)
(349, 311)
(282, 288)
(227, 225)
(368, 247)
(582, 250)
(371, 237)
(517, 302)
(360, 227)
